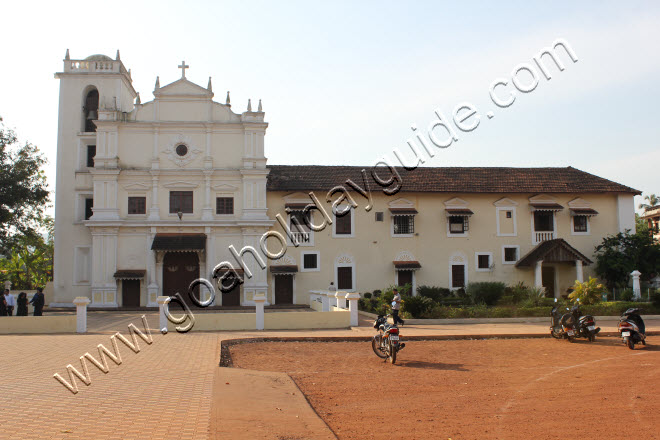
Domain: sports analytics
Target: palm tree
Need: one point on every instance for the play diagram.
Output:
(652, 199)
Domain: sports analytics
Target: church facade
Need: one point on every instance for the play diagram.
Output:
(151, 196)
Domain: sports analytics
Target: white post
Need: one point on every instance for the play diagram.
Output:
(325, 301)
(341, 299)
(353, 307)
(538, 274)
(259, 300)
(578, 271)
(637, 291)
(81, 303)
(162, 301)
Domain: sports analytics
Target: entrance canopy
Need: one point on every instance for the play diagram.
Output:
(407, 265)
(179, 242)
(129, 274)
(284, 269)
(553, 251)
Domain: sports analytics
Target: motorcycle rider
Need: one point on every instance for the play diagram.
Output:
(396, 306)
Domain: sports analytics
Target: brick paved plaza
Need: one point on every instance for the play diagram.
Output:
(168, 390)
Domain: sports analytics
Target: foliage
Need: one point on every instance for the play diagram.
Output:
(626, 295)
(29, 262)
(652, 200)
(433, 292)
(23, 189)
(485, 292)
(417, 306)
(618, 255)
(655, 299)
(588, 292)
(367, 295)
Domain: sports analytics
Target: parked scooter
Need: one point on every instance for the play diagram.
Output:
(562, 325)
(586, 325)
(632, 328)
(386, 343)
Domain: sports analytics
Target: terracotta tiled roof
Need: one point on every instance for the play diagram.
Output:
(449, 179)
(553, 251)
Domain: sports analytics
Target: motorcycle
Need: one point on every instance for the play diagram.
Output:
(562, 325)
(632, 328)
(386, 343)
(586, 325)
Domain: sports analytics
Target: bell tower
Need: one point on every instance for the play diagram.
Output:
(91, 89)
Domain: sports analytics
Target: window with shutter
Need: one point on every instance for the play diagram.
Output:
(343, 224)
(345, 278)
(181, 201)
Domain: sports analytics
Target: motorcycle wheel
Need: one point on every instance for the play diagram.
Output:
(592, 336)
(376, 346)
(630, 343)
(554, 334)
(392, 354)
(571, 339)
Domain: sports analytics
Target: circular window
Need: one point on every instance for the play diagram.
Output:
(181, 150)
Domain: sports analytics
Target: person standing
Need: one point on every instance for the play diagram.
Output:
(11, 302)
(38, 302)
(396, 306)
(3, 304)
(22, 302)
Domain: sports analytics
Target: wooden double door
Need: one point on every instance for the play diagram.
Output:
(179, 270)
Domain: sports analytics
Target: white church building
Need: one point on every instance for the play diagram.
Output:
(150, 196)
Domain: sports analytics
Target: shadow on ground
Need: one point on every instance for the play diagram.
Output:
(431, 365)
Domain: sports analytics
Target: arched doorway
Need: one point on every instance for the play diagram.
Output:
(179, 270)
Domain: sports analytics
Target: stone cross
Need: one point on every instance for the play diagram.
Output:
(183, 68)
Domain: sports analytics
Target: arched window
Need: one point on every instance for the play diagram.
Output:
(91, 110)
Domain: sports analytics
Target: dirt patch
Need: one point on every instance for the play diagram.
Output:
(473, 389)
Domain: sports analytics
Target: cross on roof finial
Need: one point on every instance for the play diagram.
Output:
(183, 68)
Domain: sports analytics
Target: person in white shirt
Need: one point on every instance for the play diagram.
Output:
(11, 302)
(396, 306)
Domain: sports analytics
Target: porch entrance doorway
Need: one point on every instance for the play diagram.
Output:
(130, 293)
(284, 289)
(548, 280)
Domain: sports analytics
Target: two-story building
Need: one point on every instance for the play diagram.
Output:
(150, 196)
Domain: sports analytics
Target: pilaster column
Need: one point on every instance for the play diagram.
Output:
(207, 213)
(538, 274)
(578, 271)
(154, 210)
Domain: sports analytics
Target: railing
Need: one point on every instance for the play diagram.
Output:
(91, 66)
(302, 237)
(540, 236)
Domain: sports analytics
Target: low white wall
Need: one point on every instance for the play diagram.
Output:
(38, 324)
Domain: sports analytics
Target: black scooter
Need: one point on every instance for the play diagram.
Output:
(632, 328)
(586, 325)
(562, 325)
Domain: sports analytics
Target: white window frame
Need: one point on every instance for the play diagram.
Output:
(555, 232)
(353, 274)
(476, 262)
(334, 223)
(392, 234)
(464, 233)
(453, 261)
(588, 232)
(146, 204)
(513, 217)
(302, 261)
(219, 195)
(517, 253)
(294, 230)
(80, 204)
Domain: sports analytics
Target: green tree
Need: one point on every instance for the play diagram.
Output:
(23, 189)
(652, 200)
(589, 292)
(29, 263)
(620, 254)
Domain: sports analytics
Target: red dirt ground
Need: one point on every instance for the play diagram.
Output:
(474, 389)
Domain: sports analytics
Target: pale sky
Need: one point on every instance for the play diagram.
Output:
(341, 82)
